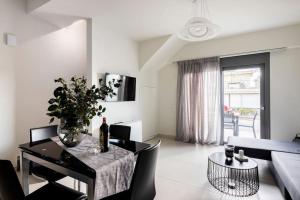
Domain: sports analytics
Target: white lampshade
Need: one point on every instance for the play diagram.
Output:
(198, 29)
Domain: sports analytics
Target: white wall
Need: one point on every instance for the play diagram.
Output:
(28, 70)
(149, 102)
(285, 94)
(8, 135)
(39, 61)
(167, 100)
(7, 103)
(285, 74)
(114, 52)
(7, 84)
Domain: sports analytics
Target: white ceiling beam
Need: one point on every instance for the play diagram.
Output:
(34, 8)
(164, 54)
(34, 4)
(59, 21)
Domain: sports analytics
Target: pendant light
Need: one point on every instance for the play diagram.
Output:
(199, 27)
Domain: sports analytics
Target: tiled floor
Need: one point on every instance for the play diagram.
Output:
(181, 175)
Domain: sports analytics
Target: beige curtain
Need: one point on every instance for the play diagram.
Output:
(198, 101)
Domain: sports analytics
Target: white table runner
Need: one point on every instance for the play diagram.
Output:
(114, 168)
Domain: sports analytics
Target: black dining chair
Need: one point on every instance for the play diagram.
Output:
(42, 133)
(10, 187)
(120, 132)
(36, 135)
(143, 181)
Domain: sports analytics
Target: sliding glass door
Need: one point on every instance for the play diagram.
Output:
(245, 97)
(242, 102)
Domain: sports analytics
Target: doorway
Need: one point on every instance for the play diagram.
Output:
(242, 102)
(245, 97)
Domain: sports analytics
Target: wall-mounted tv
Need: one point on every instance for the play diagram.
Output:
(126, 92)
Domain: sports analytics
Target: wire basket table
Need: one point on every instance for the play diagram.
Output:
(236, 179)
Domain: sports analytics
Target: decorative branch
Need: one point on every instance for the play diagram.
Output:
(76, 101)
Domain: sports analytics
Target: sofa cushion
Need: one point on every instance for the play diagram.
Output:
(287, 166)
(261, 148)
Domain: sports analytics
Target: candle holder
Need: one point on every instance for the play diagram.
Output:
(229, 153)
(241, 156)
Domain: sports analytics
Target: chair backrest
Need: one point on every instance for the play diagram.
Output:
(10, 187)
(42, 133)
(228, 118)
(120, 132)
(254, 117)
(143, 180)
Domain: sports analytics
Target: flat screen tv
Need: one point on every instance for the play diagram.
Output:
(126, 92)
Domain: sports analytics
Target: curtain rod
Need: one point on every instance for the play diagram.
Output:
(254, 52)
(242, 53)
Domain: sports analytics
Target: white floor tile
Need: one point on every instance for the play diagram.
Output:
(181, 175)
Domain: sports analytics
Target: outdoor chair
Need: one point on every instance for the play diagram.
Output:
(252, 125)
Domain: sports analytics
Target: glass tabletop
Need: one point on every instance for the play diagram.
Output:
(50, 151)
(219, 158)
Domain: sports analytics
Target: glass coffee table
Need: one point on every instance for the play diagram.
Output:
(237, 179)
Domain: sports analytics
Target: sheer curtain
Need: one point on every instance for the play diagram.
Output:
(198, 101)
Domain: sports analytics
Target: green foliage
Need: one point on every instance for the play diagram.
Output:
(246, 111)
(76, 101)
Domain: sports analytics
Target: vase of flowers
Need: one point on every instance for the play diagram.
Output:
(75, 104)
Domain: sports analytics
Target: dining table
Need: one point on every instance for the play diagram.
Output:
(50, 154)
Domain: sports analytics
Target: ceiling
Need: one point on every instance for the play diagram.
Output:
(145, 19)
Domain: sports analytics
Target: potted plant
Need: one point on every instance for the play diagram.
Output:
(75, 104)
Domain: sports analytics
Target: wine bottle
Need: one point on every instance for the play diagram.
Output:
(103, 137)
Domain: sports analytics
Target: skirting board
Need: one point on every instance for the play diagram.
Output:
(171, 137)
